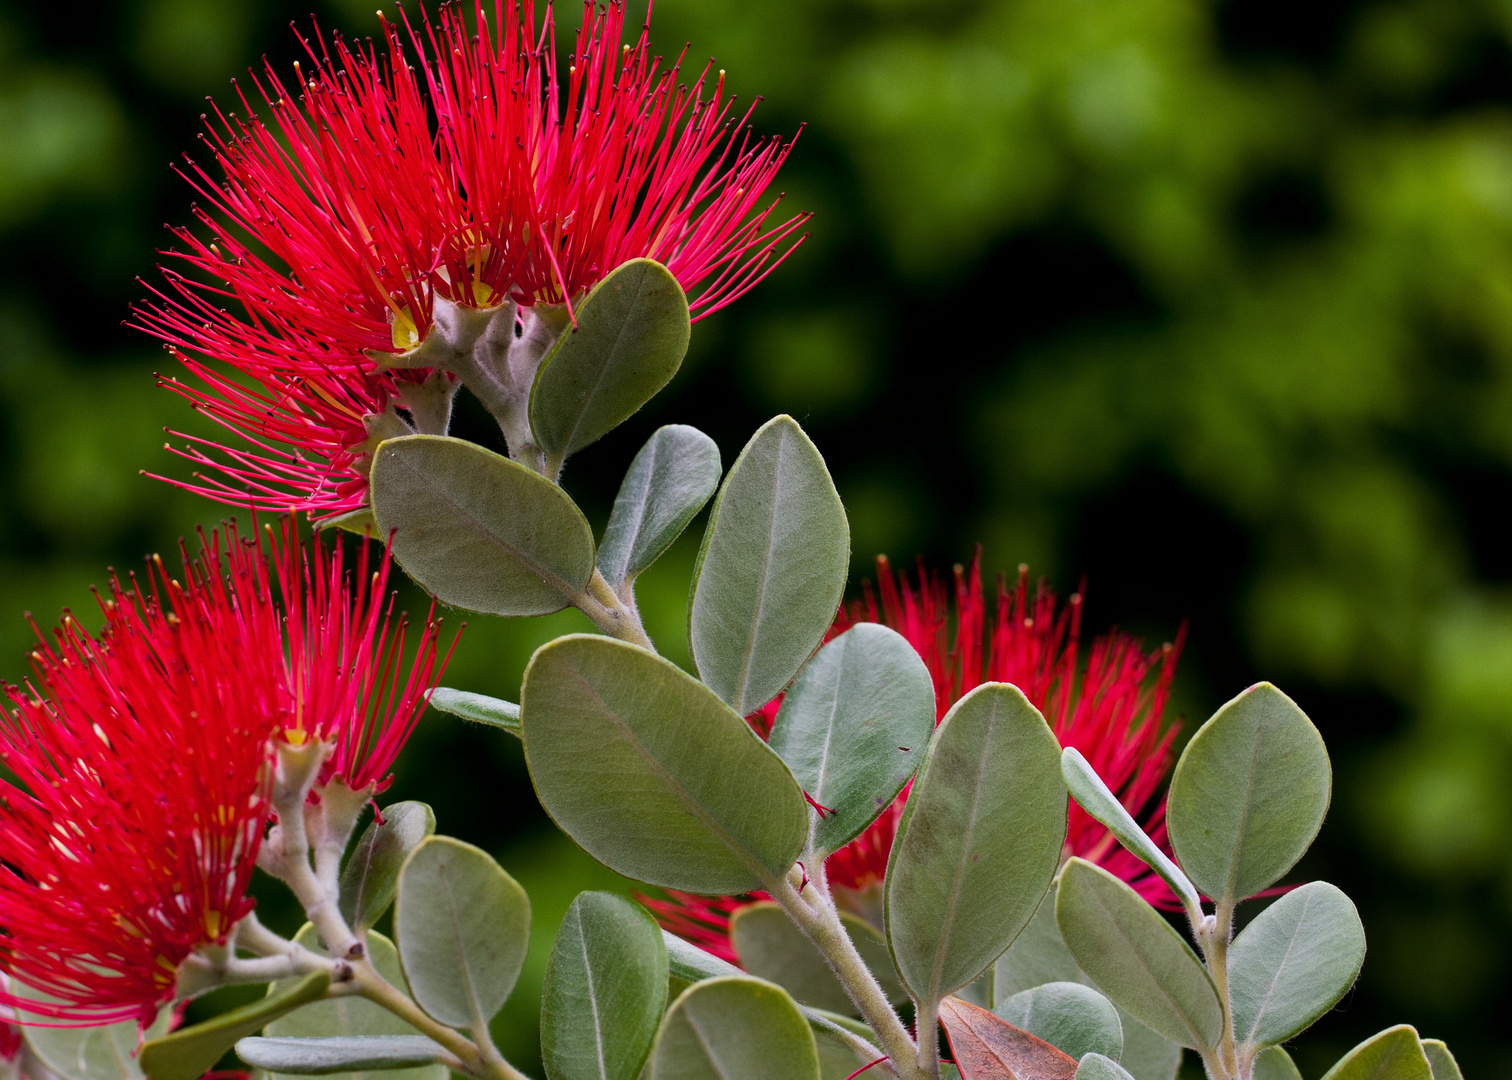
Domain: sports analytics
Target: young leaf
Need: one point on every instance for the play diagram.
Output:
(605, 989)
(1073, 1018)
(669, 481)
(771, 569)
(463, 926)
(853, 726)
(1037, 956)
(339, 1054)
(986, 1047)
(734, 1029)
(477, 530)
(978, 842)
(1101, 1067)
(1293, 963)
(652, 774)
(372, 873)
(1441, 1061)
(631, 334)
(1093, 796)
(351, 1015)
(1248, 794)
(1135, 957)
(690, 964)
(187, 1053)
(1393, 1054)
(772, 948)
(479, 708)
(1274, 1063)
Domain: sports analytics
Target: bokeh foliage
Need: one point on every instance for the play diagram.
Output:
(1211, 302)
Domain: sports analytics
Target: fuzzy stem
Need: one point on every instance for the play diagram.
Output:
(927, 1035)
(1214, 937)
(610, 614)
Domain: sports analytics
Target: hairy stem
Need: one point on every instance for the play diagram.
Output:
(1214, 937)
(927, 1034)
(610, 614)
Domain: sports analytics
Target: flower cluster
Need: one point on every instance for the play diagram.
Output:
(142, 760)
(443, 164)
(1110, 707)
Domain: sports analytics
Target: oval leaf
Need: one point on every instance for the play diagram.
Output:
(1293, 963)
(1393, 1054)
(771, 569)
(986, 1047)
(1037, 956)
(1274, 1063)
(1440, 1060)
(372, 873)
(978, 843)
(101, 1052)
(853, 727)
(1101, 1067)
(1073, 1018)
(1147, 1055)
(667, 484)
(463, 926)
(690, 964)
(652, 774)
(605, 989)
(477, 530)
(771, 947)
(1248, 794)
(479, 708)
(631, 334)
(1135, 956)
(187, 1053)
(734, 1029)
(338, 1054)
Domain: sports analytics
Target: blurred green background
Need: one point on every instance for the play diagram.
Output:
(1209, 301)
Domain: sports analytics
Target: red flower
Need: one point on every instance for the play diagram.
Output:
(1111, 710)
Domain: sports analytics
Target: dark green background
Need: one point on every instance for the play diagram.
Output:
(1210, 302)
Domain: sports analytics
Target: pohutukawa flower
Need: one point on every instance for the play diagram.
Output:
(1110, 708)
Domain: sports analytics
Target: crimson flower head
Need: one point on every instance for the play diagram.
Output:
(1109, 706)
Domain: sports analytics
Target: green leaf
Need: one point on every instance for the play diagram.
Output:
(372, 873)
(188, 1052)
(605, 990)
(351, 1015)
(771, 947)
(1093, 796)
(1293, 963)
(477, 530)
(1037, 956)
(652, 774)
(1073, 1018)
(771, 569)
(667, 484)
(853, 726)
(101, 1052)
(734, 1029)
(1441, 1061)
(339, 1053)
(1393, 1054)
(1274, 1063)
(463, 926)
(479, 708)
(631, 334)
(1135, 956)
(1146, 1054)
(1101, 1067)
(690, 964)
(978, 842)
(987, 1047)
(1248, 794)
(359, 521)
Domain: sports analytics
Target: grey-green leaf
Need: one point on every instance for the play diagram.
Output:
(1274, 1063)
(463, 926)
(631, 334)
(771, 947)
(978, 843)
(1441, 1061)
(690, 964)
(668, 483)
(477, 530)
(1073, 1018)
(1037, 956)
(1094, 796)
(187, 1053)
(771, 569)
(371, 875)
(1393, 1054)
(853, 726)
(1293, 963)
(1094, 1066)
(652, 774)
(1146, 1054)
(734, 1029)
(479, 708)
(605, 990)
(102, 1052)
(1248, 794)
(1135, 956)
(338, 1054)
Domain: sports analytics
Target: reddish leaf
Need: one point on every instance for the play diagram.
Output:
(986, 1048)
